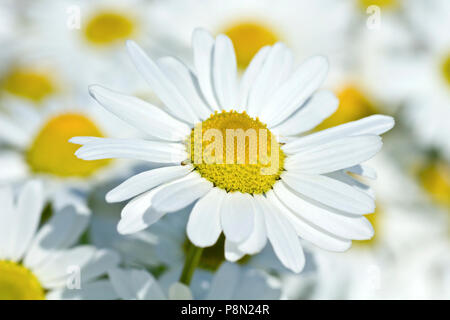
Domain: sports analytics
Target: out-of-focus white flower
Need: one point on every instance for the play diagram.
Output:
(36, 259)
(413, 71)
(86, 37)
(308, 27)
(35, 141)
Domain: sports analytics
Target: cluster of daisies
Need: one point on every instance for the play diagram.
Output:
(115, 186)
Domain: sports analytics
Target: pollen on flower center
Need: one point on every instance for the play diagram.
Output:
(236, 153)
(248, 38)
(353, 105)
(51, 153)
(108, 27)
(18, 283)
(29, 84)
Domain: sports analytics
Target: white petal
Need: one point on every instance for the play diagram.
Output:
(163, 87)
(135, 285)
(334, 155)
(13, 166)
(250, 75)
(342, 176)
(98, 290)
(225, 73)
(140, 114)
(237, 216)
(108, 148)
(102, 261)
(322, 105)
(139, 214)
(179, 291)
(12, 134)
(232, 252)
(6, 217)
(309, 232)
(256, 284)
(63, 229)
(268, 79)
(258, 238)
(60, 266)
(296, 90)
(29, 207)
(203, 228)
(224, 283)
(180, 193)
(336, 222)
(186, 83)
(145, 181)
(363, 170)
(330, 192)
(373, 125)
(203, 45)
(283, 238)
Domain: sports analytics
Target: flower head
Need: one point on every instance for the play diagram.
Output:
(241, 150)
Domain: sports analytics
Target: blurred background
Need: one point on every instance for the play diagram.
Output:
(386, 56)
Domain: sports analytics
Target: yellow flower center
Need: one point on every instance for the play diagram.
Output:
(353, 105)
(18, 283)
(248, 38)
(29, 84)
(236, 153)
(51, 152)
(435, 179)
(383, 4)
(108, 27)
(446, 69)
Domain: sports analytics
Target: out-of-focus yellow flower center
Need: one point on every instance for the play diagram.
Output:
(435, 179)
(250, 161)
(29, 84)
(353, 105)
(108, 27)
(446, 69)
(383, 4)
(51, 153)
(248, 38)
(18, 283)
(374, 219)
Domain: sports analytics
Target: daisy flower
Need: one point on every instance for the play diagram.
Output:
(431, 96)
(27, 75)
(299, 188)
(253, 24)
(231, 282)
(414, 71)
(90, 34)
(35, 141)
(36, 260)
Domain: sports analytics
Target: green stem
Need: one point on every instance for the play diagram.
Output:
(192, 259)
